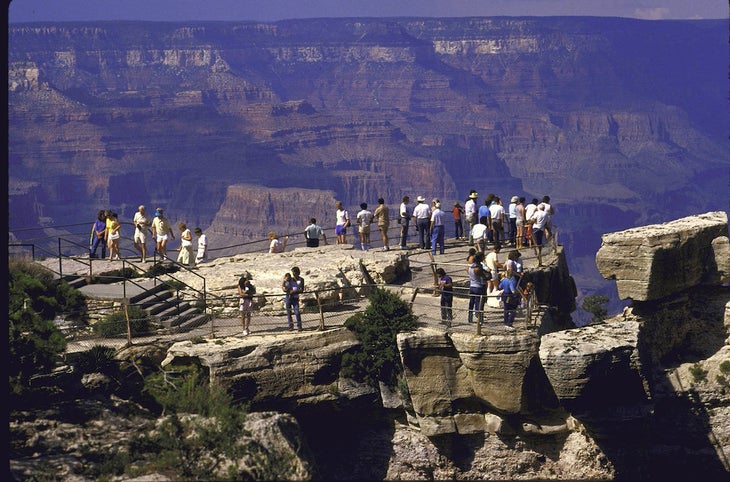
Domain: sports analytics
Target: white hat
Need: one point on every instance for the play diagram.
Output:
(514, 199)
(420, 199)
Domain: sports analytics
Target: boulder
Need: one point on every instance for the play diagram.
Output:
(281, 371)
(656, 261)
(454, 379)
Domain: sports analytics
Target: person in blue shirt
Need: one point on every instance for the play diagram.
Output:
(510, 298)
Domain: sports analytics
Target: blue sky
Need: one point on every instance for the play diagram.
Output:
(270, 10)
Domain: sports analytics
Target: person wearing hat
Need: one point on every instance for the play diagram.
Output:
(422, 218)
(470, 212)
(436, 227)
(162, 232)
(512, 212)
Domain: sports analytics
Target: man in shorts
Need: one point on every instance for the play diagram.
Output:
(141, 224)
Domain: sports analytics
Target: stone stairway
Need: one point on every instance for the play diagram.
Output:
(173, 313)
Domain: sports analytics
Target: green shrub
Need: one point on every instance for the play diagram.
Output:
(98, 358)
(699, 374)
(376, 359)
(158, 269)
(722, 377)
(35, 298)
(191, 448)
(115, 324)
(595, 304)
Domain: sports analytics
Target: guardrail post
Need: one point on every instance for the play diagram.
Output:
(60, 260)
(480, 314)
(129, 325)
(321, 313)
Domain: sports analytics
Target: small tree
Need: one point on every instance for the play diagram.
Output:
(595, 304)
(376, 359)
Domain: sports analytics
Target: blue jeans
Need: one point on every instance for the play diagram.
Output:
(423, 226)
(292, 302)
(477, 297)
(458, 228)
(404, 224)
(95, 246)
(437, 237)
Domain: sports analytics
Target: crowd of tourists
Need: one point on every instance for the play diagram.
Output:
(106, 232)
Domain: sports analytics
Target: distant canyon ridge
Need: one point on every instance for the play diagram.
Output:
(245, 127)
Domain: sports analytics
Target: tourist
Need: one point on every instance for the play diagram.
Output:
(162, 232)
(436, 227)
(478, 234)
(275, 245)
(529, 220)
(457, 211)
(549, 211)
(186, 245)
(470, 212)
(364, 219)
(141, 224)
(478, 279)
(293, 285)
(382, 216)
(497, 213)
(538, 230)
(512, 227)
(422, 219)
(98, 235)
(202, 254)
(313, 232)
(493, 265)
(510, 299)
(405, 213)
(114, 236)
(108, 219)
(342, 223)
(446, 287)
(246, 290)
(520, 222)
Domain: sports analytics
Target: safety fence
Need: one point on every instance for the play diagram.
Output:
(319, 310)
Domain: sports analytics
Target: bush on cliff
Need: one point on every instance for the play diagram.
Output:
(35, 299)
(376, 359)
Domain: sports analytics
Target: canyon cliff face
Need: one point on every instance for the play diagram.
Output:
(621, 122)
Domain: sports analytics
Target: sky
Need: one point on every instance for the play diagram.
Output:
(272, 10)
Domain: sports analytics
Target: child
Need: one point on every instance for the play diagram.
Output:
(445, 285)
(246, 291)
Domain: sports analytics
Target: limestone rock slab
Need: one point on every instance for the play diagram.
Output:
(454, 379)
(276, 370)
(655, 261)
(595, 368)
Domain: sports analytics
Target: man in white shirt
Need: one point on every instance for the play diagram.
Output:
(364, 218)
(202, 254)
(422, 218)
(141, 225)
(470, 212)
(496, 211)
(538, 231)
(405, 212)
(437, 228)
(479, 235)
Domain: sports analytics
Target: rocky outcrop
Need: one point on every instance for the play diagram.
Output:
(633, 380)
(653, 262)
